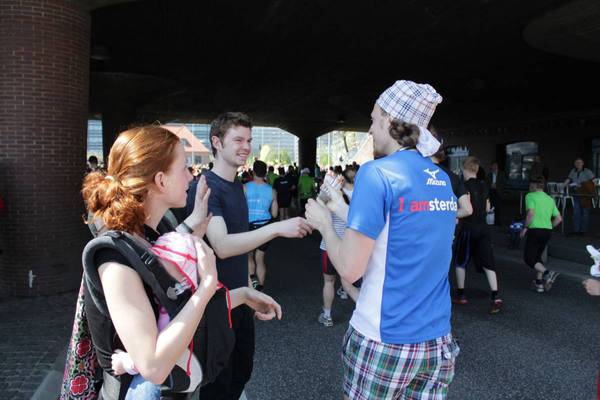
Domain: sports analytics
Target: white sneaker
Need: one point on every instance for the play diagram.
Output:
(537, 287)
(327, 321)
(342, 293)
(595, 254)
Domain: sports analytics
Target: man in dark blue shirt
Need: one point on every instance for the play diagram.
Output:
(228, 235)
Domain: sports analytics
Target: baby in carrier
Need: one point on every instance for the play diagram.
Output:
(176, 252)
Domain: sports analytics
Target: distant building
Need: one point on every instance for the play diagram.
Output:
(282, 145)
(195, 151)
(94, 139)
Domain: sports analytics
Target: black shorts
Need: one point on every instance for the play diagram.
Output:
(475, 243)
(256, 225)
(283, 201)
(535, 243)
(328, 268)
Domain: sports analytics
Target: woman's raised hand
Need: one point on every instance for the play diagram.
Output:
(200, 216)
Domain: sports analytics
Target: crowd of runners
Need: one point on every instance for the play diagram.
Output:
(391, 230)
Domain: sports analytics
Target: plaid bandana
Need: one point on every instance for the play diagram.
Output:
(413, 103)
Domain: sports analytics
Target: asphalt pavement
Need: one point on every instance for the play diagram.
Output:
(541, 346)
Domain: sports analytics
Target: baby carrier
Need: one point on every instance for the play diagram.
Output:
(210, 349)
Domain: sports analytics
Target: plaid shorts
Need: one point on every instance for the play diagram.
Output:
(419, 371)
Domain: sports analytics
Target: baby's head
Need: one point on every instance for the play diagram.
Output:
(179, 249)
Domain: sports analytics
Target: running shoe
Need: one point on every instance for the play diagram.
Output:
(595, 254)
(496, 306)
(460, 299)
(326, 321)
(342, 293)
(538, 287)
(259, 287)
(549, 280)
(255, 281)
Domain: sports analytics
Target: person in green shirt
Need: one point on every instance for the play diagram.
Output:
(306, 188)
(271, 176)
(542, 216)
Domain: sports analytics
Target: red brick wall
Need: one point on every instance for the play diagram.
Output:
(44, 70)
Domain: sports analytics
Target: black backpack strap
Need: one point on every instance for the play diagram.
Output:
(139, 257)
(147, 266)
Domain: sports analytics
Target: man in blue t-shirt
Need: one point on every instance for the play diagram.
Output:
(398, 238)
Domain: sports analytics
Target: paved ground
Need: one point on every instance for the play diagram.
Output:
(32, 334)
(541, 347)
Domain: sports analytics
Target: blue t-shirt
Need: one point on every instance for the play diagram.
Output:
(406, 204)
(259, 198)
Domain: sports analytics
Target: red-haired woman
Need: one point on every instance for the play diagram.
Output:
(147, 175)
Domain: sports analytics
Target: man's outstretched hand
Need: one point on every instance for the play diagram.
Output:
(266, 308)
(293, 228)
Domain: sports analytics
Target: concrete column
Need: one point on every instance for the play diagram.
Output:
(307, 152)
(44, 72)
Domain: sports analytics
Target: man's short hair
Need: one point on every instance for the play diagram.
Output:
(471, 164)
(537, 182)
(223, 122)
(93, 159)
(259, 168)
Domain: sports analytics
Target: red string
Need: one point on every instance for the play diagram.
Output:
(191, 347)
(219, 286)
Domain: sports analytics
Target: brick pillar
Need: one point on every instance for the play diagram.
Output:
(44, 71)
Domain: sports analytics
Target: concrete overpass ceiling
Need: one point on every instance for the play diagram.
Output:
(313, 66)
(572, 30)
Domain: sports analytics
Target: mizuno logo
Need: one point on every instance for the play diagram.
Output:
(434, 181)
(433, 174)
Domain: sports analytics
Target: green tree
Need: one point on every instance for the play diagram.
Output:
(271, 157)
(323, 158)
(266, 152)
(284, 157)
